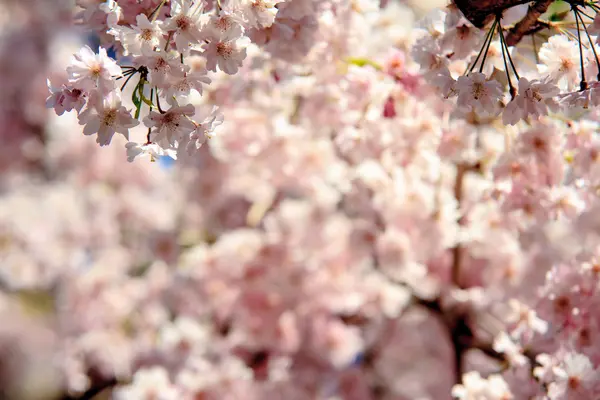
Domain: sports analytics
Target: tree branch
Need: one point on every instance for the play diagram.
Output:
(480, 12)
(529, 22)
(93, 391)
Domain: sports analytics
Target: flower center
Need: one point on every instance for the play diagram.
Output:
(223, 23)
(574, 382)
(110, 117)
(183, 23)
(96, 70)
(147, 35)
(566, 64)
(478, 90)
(224, 49)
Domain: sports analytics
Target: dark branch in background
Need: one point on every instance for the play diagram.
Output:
(457, 251)
(481, 12)
(98, 386)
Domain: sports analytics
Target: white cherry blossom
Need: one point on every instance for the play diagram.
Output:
(105, 116)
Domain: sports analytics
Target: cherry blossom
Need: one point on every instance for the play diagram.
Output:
(105, 117)
(228, 53)
(533, 99)
(89, 70)
(171, 125)
(477, 93)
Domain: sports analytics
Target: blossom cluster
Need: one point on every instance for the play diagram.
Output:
(347, 233)
(169, 47)
(492, 71)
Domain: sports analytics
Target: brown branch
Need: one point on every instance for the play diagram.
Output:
(528, 23)
(93, 391)
(457, 251)
(480, 12)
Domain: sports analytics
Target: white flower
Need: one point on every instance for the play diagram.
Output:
(162, 66)
(524, 319)
(185, 335)
(226, 53)
(476, 93)
(89, 70)
(559, 59)
(182, 86)
(504, 344)
(258, 13)
(474, 387)
(429, 55)
(493, 59)
(203, 131)
(444, 81)
(64, 99)
(150, 383)
(581, 99)
(224, 25)
(460, 38)
(151, 150)
(171, 125)
(433, 23)
(114, 11)
(145, 35)
(185, 23)
(105, 117)
(535, 98)
(575, 375)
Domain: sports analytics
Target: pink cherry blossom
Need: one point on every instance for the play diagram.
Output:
(105, 117)
(477, 93)
(89, 70)
(533, 99)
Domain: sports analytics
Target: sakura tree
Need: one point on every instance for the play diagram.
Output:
(368, 202)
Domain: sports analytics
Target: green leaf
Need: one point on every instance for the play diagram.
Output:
(363, 62)
(135, 97)
(138, 94)
(558, 11)
(146, 100)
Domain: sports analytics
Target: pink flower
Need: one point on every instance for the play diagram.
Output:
(223, 25)
(105, 117)
(64, 99)
(89, 70)
(258, 13)
(145, 35)
(474, 387)
(172, 125)
(151, 150)
(534, 99)
(147, 384)
(559, 58)
(185, 23)
(162, 67)
(204, 129)
(227, 53)
(181, 86)
(460, 38)
(477, 93)
(575, 378)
